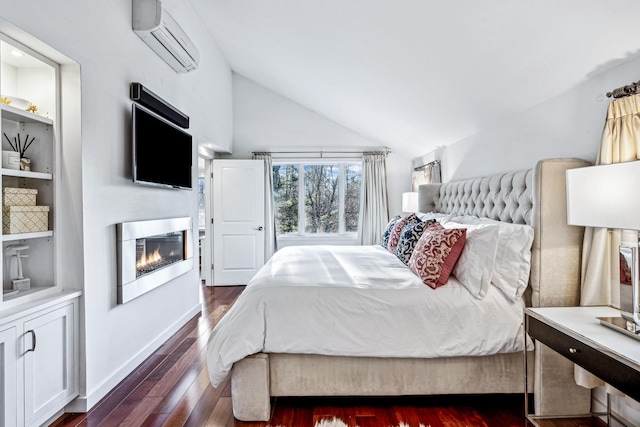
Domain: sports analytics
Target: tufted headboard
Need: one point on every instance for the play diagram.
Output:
(506, 197)
(536, 197)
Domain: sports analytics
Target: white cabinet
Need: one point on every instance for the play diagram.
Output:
(8, 377)
(39, 323)
(38, 352)
(49, 377)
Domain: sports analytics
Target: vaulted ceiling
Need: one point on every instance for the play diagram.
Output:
(417, 74)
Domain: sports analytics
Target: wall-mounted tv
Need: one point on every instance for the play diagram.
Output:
(162, 152)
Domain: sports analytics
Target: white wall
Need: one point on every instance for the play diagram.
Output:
(33, 84)
(569, 125)
(99, 37)
(266, 121)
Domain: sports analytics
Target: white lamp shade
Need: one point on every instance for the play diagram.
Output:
(605, 196)
(410, 202)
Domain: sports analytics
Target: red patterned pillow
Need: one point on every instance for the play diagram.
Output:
(396, 231)
(436, 253)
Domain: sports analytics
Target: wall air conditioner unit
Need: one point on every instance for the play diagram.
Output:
(163, 34)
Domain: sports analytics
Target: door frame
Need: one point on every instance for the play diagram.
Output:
(206, 245)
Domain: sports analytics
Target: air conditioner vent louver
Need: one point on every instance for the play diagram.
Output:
(162, 33)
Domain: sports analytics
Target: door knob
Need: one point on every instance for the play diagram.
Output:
(258, 228)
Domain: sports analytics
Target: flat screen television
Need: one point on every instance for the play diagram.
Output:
(162, 152)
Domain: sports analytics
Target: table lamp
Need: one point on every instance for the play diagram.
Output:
(609, 196)
(410, 202)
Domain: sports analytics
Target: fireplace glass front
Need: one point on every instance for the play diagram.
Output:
(156, 252)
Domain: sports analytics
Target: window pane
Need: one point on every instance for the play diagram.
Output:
(321, 198)
(285, 194)
(352, 177)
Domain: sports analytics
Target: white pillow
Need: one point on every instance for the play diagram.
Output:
(513, 258)
(475, 266)
(426, 216)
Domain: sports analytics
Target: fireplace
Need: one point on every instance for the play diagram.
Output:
(151, 253)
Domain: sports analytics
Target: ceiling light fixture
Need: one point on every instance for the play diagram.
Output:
(17, 53)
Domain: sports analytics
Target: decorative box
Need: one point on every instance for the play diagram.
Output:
(24, 219)
(19, 196)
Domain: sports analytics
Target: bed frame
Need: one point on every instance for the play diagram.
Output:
(536, 197)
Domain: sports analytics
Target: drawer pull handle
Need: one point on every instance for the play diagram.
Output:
(573, 350)
(33, 340)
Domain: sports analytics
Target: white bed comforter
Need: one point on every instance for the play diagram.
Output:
(358, 301)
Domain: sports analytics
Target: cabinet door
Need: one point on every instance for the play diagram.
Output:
(49, 376)
(8, 378)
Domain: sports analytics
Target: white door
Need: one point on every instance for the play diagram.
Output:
(238, 220)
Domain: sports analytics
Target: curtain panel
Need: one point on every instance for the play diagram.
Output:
(600, 264)
(374, 203)
(270, 240)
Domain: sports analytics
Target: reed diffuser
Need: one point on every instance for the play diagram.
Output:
(21, 146)
(18, 145)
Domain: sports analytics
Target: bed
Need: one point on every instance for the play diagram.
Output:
(340, 321)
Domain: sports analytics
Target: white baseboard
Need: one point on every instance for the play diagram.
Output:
(85, 403)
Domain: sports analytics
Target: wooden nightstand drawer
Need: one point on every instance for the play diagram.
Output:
(614, 372)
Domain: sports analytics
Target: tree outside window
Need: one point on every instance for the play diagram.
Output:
(285, 194)
(331, 195)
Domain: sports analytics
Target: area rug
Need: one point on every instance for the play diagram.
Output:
(335, 422)
(339, 423)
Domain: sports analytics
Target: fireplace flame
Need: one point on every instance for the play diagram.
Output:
(151, 259)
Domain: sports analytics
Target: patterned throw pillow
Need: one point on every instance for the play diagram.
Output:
(394, 236)
(436, 254)
(409, 237)
(385, 234)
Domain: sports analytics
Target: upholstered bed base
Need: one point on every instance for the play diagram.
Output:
(317, 375)
(536, 197)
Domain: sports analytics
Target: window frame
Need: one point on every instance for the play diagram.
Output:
(302, 223)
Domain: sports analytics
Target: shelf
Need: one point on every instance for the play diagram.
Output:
(33, 290)
(34, 294)
(21, 116)
(26, 174)
(26, 236)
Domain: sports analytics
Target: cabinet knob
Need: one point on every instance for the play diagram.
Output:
(573, 350)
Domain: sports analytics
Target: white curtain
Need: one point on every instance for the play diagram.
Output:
(426, 174)
(374, 204)
(600, 269)
(270, 241)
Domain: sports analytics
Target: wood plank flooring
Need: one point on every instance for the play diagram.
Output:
(171, 388)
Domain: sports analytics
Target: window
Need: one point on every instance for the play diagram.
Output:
(330, 195)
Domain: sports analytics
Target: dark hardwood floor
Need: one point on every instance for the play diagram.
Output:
(171, 388)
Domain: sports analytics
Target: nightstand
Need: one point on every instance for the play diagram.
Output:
(576, 334)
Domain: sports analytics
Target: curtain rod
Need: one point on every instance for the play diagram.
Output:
(630, 89)
(323, 152)
(433, 163)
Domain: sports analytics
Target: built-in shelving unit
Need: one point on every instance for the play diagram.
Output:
(37, 381)
(34, 78)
